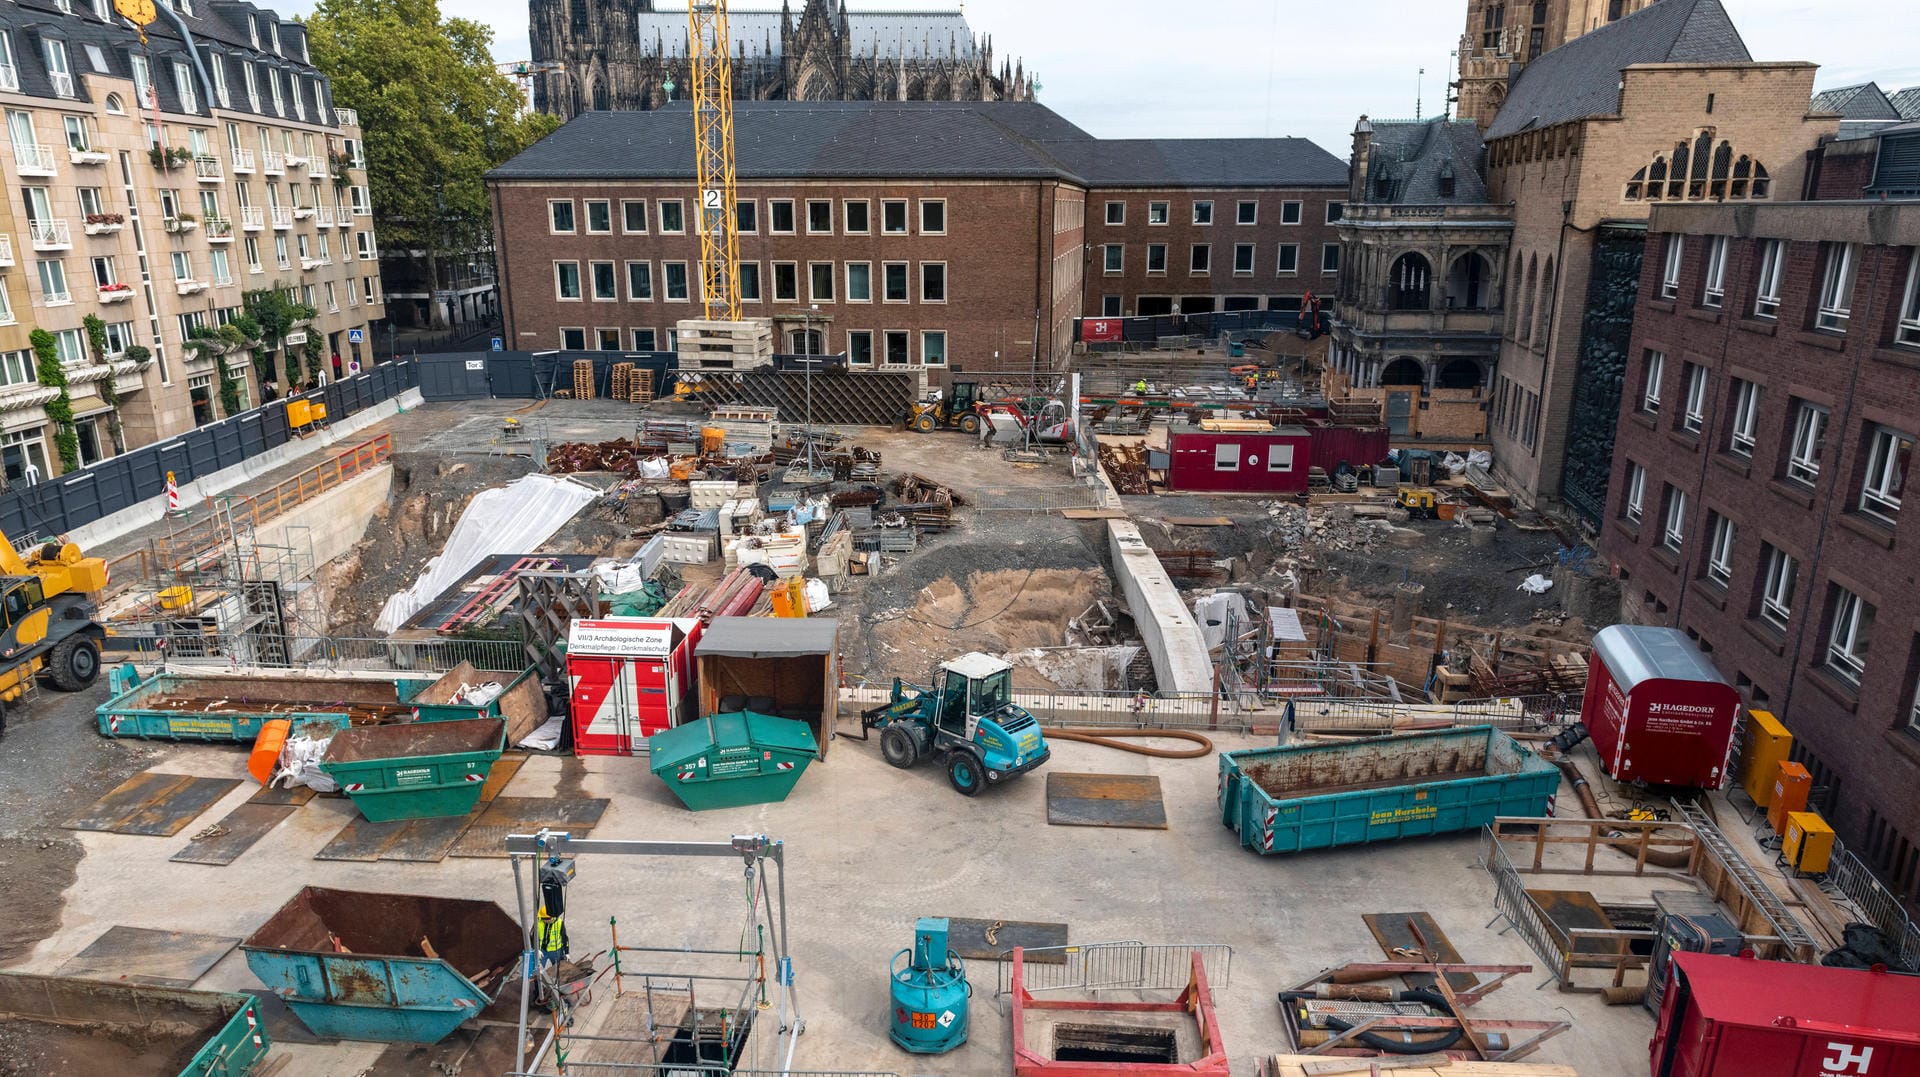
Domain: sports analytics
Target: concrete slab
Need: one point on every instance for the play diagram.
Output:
(871, 849)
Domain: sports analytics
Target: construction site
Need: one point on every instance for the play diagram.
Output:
(580, 734)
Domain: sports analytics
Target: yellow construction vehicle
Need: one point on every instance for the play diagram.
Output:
(953, 410)
(1419, 501)
(48, 615)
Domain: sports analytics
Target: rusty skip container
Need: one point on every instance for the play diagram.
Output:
(351, 964)
(1286, 800)
(60, 1024)
(421, 770)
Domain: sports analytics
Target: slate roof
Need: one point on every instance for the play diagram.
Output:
(1907, 103)
(911, 140)
(912, 34)
(1582, 77)
(1414, 156)
(1862, 102)
(219, 29)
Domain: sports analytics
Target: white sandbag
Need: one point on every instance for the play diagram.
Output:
(300, 764)
(656, 468)
(1536, 584)
(547, 737)
(818, 598)
(479, 695)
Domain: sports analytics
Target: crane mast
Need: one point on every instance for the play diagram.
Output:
(708, 46)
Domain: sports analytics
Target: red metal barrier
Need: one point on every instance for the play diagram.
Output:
(1195, 1003)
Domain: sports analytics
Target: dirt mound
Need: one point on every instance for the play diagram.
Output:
(39, 870)
(994, 611)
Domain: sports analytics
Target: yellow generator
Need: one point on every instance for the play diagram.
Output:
(1768, 743)
(1808, 843)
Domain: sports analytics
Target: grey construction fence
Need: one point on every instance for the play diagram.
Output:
(57, 505)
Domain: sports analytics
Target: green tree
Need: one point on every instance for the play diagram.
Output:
(437, 115)
(49, 372)
(207, 340)
(267, 319)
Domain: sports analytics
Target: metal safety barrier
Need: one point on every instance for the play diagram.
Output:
(1114, 966)
(1112, 709)
(1877, 905)
(272, 650)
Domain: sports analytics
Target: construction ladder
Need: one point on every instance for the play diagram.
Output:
(1784, 924)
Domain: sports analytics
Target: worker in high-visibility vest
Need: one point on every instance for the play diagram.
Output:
(1140, 387)
(552, 938)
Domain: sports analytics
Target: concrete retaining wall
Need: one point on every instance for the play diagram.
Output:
(334, 521)
(1168, 628)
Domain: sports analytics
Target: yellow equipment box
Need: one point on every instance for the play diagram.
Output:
(1768, 743)
(176, 598)
(1808, 842)
(299, 412)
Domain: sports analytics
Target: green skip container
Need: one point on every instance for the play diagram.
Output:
(420, 770)
(88, 1027)
(732, 760)
(1318, 796)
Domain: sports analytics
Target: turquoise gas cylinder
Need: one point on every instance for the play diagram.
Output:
(930, 992)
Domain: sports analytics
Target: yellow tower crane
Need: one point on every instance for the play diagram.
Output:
(709, 48)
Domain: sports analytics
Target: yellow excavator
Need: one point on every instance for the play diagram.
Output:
(49, 618)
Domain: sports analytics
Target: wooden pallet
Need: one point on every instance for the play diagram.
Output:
(640, 387)
(722, 345)
(583, 379)
(622, 374)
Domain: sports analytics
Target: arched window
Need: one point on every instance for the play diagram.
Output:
(1698, 170)
(114, 105)
(1404, 371)
(1539, 332)
(1459, 374)
(1468, 282)
(1407, 282)
(1524, 331)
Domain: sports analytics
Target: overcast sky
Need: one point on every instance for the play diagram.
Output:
(1224, 68)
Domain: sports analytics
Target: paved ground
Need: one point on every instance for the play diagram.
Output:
(871, 849)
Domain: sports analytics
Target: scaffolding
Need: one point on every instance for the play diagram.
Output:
(701, 1015)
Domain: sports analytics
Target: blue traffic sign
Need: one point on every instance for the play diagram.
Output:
(499, 345)
(356, 336)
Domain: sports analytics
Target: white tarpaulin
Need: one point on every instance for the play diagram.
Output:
(515, 518)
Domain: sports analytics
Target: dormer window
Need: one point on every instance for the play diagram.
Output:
(1446, 180)
(273, 29)
(253, 30)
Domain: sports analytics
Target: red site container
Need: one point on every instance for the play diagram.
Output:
(1739, 1017)
(1335, 444)
(1657, 710)
(1271, 461)
(629, 678)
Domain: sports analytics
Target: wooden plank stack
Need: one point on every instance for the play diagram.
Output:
(583, 379)
(640, 387)
(722, 345)
(622, 374)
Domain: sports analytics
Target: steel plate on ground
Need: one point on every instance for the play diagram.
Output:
(487, 1049)
(233, 835)
(141, 955)
(294, 795)
(1571, 910)
(524, 815)
(1394, 932)
(153, 804)
(968, 938)
(1119, 800)
(416, 840)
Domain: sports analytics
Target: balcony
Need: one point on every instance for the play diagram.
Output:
(188, 285)
(347, 117)
(310, 264)
(223, 280)
(250, 219)
(62, 83)
(282, 218)
(34, 159)
(323, 216)
(116, 293)
(103, 224)
(219, 230)
(6, 251)
(56, 299)
(302, 213)
(341, 218)
(273, 162)
(9, 79)
(50, 235)
(242, 159)
(206, 169)
(180, 224)
(82, 155)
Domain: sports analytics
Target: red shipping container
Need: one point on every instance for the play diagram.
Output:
(1356, 446)
(1267, 462)
(629, 678)
(1657, 709)
(1739, 1017)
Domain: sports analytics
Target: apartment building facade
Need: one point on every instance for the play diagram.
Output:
(152, 186)
(1771, 404)
(928, 236)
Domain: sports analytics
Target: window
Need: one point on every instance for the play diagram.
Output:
(933, 216)
(1116, 213)
(1674, 532)
(1887, 453)
(1746, 418)
(672, 218)
(1721, 534)
(933, 347)
(1200, 258)
(644, 340)
(1851, 634)
(1636, 492)
(1203, 213)
(1156, 212)
(560, 212)
(1694, 415)
(1289, 259)
(1279, 458)
(750, 282)
(786, 282)
(1715, 289)
(182, 265)
(1809, 438)
(1836, 288)
(573, 340)
(1246, 213)
(280, 252)
(1110, 306)
(676, 281)
(609, 339)
(1656, 370)
(859, 282)
(60, 73)
(599, 215)
(1156, 257)
(1289, 213)
(819, 216)
(566, 276)
(856, 221)
(1908, 331)
(1330, 258)
(633, 215)
(895, 281)
(248, 76)
(1670, 270)
(1243, 259)
(183, 85)
(90, 203)
(1114, 255)
(1766, 288)
(53, 282)
(273, 84)
(1335, 211)
(746, 216)
(103, 272)
(897, 344)
(1226, 457)
(18, 368)
(860, 347)
(605, 285)
(933, 282)
(77, 133)
(820, 282)
(893, 217)
(218, 69)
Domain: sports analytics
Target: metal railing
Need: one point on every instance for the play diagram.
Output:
(347, 117)
(1105, 709)
(9, 79)
(688, 1069)
(250, 218)
(273, 162)
(1114, 966)
(242, 159)
(207, 167)
(1510, 901)
(282, 217)
(6, 250)
(1077, 495)
(1876, 904)
(47, 234)
(273, 650)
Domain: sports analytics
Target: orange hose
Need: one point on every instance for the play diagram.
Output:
(1112, 738)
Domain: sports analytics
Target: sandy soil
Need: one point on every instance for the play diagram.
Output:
(992, 611)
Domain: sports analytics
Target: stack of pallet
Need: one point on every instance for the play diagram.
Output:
(622, 373)
(583, 379)
(720, 345)
(640, 387)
